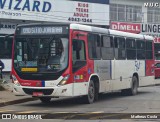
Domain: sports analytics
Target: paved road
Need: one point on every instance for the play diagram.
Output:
(147, 101)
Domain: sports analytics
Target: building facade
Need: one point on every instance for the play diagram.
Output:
(15, 12)
(136, 16)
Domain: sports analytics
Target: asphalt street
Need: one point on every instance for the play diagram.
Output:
(109, 106)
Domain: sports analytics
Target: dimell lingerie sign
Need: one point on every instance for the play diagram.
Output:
(87, 12)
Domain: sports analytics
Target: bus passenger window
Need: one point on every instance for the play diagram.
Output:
(120, 52)
(78, 54)
(149, 54)
(140, 49)
(107, 49)
(131, 48)
(94, 46)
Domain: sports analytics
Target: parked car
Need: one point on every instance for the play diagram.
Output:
(157, 69)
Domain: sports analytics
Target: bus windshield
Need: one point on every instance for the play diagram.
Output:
(41, 55)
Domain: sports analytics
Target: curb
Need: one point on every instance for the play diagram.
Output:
(17, 101)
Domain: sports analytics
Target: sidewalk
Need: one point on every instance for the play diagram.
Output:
(7, 97)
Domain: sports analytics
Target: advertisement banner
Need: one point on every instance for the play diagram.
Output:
(126, 27)
(56, 11)
(151, 29)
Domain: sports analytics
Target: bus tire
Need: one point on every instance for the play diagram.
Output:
(90, 97)
(134, 88)
(45, 99)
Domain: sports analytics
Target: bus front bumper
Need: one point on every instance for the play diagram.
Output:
(56, 91)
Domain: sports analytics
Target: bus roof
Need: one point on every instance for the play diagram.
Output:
(89, 28)
(39, 24)
(95, 29)
(109, 31)
(126, 34)
(148, 37)
(130, 35)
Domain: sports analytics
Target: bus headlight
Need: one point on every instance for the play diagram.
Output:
(63, 81)
(15, 81)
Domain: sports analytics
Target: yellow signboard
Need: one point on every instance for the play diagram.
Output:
(29, 69)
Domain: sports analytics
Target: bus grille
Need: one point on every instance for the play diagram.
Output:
(44, 91)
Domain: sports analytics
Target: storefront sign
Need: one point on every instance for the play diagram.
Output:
(27, 5)
(81, 13)
(7, 27)
(150, 28)
(92, 12)
(126, 27)
(94, 1)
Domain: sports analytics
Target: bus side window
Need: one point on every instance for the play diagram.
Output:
(131, 48)
(94, 46)
(149, 54)
(78, 54)
(140, 49)
(107, 49)
(120, 52)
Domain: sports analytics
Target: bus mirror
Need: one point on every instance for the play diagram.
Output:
(77, 45)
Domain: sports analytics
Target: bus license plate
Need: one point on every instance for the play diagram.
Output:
(37, 94)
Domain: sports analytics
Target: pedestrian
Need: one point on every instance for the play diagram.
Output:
(1, 68)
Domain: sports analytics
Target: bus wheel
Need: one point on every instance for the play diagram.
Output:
(91, 93)
(45, 99)
(134, 87)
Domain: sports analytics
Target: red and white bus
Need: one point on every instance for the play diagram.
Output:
(55, 60)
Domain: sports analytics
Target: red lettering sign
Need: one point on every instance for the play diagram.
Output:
(126, 27)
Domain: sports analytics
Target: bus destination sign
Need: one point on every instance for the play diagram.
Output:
(44, 30)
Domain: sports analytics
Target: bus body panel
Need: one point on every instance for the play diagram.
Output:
(146, 81)
(157, 69)
(103, 69)
(149, 67)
